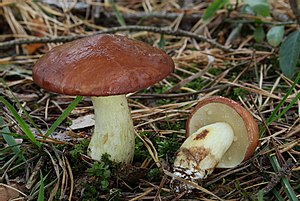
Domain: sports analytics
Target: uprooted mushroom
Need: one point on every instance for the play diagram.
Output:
(220, 134)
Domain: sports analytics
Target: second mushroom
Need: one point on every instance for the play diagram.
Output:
(221, 134)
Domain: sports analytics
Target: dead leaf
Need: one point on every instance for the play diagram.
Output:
(37, 28)
(83, 122)
(8, 193)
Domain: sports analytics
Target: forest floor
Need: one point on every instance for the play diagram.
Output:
(227, 55)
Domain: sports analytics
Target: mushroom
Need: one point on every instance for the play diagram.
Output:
(220, 134)
(105, 67)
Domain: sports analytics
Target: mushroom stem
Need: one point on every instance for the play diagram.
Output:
(113, 132)
(202, 151)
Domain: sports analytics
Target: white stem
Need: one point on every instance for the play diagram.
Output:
(203, 150)
(113, 132)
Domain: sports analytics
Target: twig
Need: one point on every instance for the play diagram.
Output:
(160, 15)
(275, 179)
(189, 79)
(226, 173)
(35, 173)
(137, 15)
(147, 191)
(15, 189)
(246, 21)
(165, 31)
(162, 183)
(179, 95)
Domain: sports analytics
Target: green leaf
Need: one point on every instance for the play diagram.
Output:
(119, 15)
(104, 184)
(161, 43)
(102, 172)
(8, 161)
(284, 180)
(15, 135)
(247, 9)
(277, 195)
(275, 35)
(289, 53)
(259, 34)
(64, 115)
(21, 107)
(213, 8)
(260, 195)
(20, 121)
(41, 196)
(260, 7)
(10, 140)
(274, 115)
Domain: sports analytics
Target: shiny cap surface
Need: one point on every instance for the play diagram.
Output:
(101, 65)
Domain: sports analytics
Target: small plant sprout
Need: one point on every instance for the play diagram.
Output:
(220, 134)
(106, 68)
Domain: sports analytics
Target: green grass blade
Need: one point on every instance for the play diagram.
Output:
(277, 195)
(289, 106)
(20, 121)
(289, 53)
(23, 109)
(260, 196)
(284, 181)
(10, 160)
(212, 9)
(35, 189)
(119, 15)
(289, 190)
(5, 149)
(11, 140)
(162, 42)
(275, 35)
(41, 195)
(15, 135)
(273, 117)
(64, 115)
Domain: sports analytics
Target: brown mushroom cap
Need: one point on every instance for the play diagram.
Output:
(101, 65)
(220, 109)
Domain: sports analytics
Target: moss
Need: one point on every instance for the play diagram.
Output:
(196, 84)
(168, 147)
(239, 92)
(215, 71)
(141, 152)
(162, 101)
(172, 125)
(79, 148)
(154, 174)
